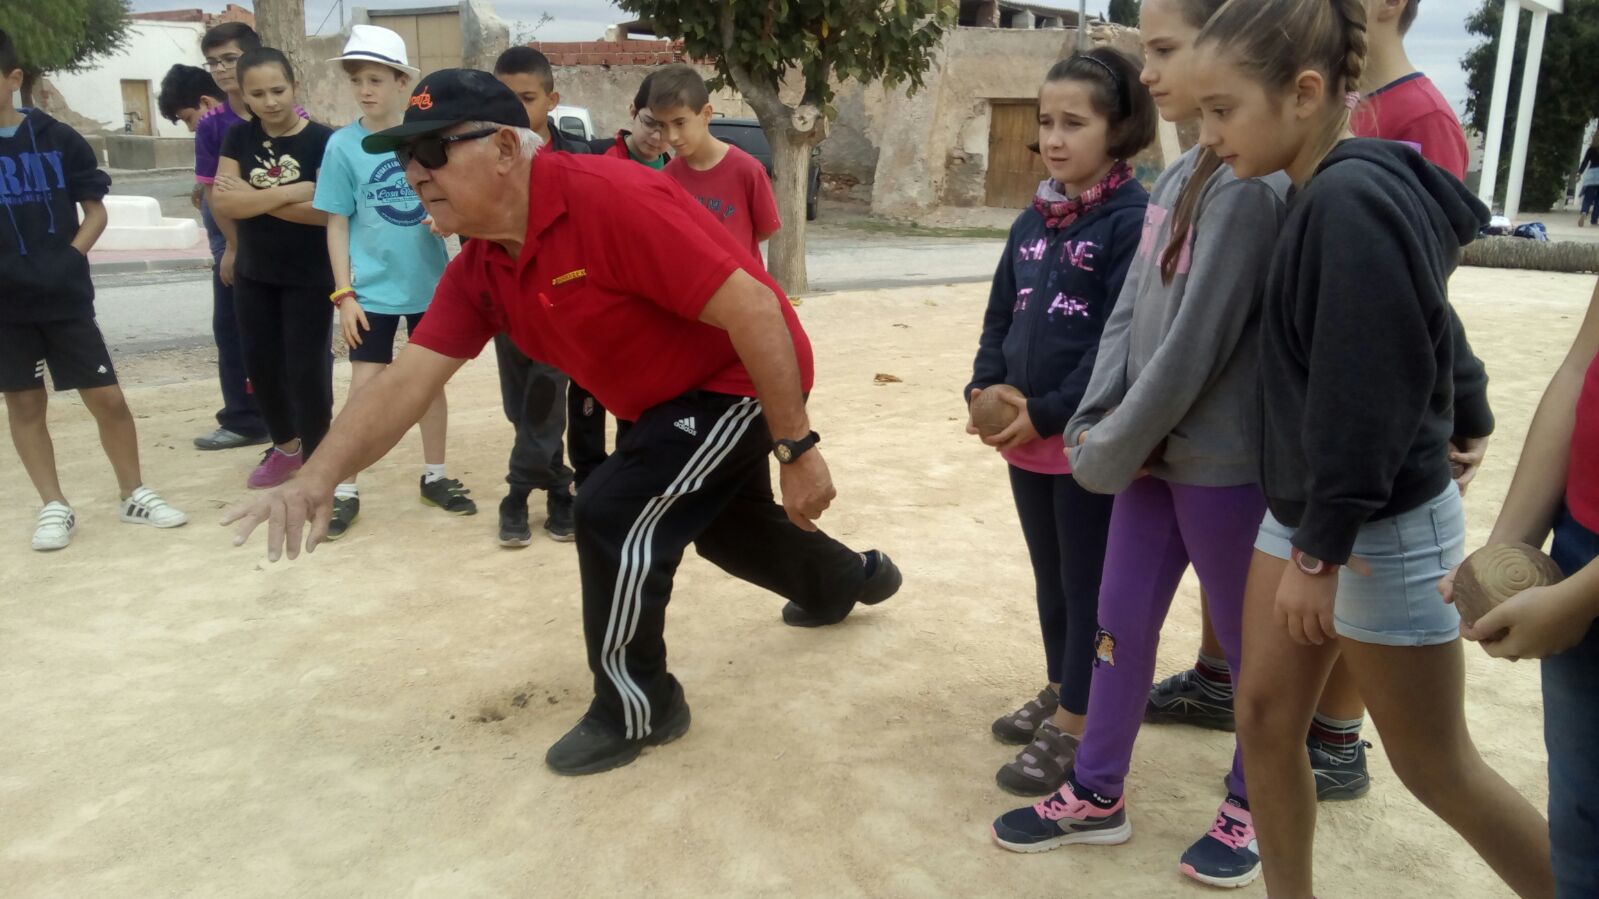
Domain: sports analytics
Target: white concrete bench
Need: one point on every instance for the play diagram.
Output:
(136, 223)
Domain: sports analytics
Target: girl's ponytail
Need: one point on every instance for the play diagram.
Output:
(1182, 217)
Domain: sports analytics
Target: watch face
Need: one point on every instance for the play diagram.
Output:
(784, 453)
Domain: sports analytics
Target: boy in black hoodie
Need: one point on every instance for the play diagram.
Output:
(47, 308)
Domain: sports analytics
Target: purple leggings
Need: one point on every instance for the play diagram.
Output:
(1156, 529)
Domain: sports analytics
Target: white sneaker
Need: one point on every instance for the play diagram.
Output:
(57, 523)
(145, 507)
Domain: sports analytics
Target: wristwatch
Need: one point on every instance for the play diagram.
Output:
(787, 451)
(1309, 564)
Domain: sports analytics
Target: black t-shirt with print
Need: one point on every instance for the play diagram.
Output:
(269, 248)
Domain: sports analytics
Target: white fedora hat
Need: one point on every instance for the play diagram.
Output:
(369, 43)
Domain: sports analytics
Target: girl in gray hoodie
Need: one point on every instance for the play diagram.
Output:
(1172, 396)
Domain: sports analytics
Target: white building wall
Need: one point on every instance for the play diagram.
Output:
(152, 48)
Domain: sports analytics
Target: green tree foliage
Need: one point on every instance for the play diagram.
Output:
(1567, 94)
(759, 47)
(62, 35)
(1123, 12)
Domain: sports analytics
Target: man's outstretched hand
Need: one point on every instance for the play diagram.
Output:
(287, 511)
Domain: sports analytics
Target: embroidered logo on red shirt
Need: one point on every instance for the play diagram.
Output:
(570, 276)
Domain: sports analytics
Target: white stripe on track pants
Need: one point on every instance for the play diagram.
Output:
(693, 470)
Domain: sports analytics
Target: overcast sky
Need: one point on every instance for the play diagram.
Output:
(1437, 41)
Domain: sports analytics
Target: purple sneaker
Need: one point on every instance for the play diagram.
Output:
(276, 467)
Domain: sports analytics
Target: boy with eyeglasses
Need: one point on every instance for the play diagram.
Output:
(646, 144)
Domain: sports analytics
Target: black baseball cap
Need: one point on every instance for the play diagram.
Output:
(447, 98)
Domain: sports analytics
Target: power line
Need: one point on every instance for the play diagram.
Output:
(336, 4)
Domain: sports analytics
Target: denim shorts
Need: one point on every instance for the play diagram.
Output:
(1398, 603)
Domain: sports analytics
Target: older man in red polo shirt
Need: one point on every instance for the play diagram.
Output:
(612, 273)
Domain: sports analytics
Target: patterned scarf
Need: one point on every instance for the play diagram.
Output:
(1059, 211)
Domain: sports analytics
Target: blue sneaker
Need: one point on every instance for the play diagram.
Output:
(1181, 699)
(1338, 780)
(1059, 819)
(1228, 855)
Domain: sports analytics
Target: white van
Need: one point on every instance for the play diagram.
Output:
(573, 121)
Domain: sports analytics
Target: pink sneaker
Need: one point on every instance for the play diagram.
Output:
(1060, 819)
(1228, 855)
(276, 467)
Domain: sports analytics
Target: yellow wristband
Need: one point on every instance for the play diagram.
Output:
(340, 295)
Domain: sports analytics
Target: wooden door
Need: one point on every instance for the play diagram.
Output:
(136, 108)
(1013, 170)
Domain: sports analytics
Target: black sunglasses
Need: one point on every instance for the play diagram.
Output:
(432, 151)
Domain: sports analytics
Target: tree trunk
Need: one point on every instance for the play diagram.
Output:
(785, 256)
(29, 79)
(281, 24)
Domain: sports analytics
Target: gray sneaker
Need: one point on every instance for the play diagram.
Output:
(1040, 768)
(222, 439)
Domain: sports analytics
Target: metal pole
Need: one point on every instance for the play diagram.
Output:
(1529, 91)
(1082, 26)
(1497, 99)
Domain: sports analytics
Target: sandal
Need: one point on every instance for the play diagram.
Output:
(1017, 728)
(1040, 769)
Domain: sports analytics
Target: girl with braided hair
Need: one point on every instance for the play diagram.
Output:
(1357, 410)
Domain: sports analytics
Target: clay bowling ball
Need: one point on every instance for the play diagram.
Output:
(1495, 573)
(991, 414)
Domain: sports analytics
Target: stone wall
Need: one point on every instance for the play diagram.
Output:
(908, 154)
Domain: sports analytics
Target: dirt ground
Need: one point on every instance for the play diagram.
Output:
(185, 719)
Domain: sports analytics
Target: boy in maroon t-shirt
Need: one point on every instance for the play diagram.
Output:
(1401, 103)
(730, 183)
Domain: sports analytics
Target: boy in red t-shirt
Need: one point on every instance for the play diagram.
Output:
(726, 180)
(1401, 103)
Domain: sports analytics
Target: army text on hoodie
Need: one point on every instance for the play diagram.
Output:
(46, 169)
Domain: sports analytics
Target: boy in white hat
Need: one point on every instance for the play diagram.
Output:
(386, 262)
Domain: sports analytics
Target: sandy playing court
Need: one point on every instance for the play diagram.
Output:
(183, 719)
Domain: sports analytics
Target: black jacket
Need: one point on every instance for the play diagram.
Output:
(46, 169)
(1359, 343)
(561, 142)
(1052, 294)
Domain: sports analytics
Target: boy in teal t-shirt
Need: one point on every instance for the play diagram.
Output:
(386, 261)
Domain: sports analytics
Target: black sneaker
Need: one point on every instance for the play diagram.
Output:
(514, 529)
(594, 745)
(883, 582)
(1181, 699)
(1338, 780)
(448, 494)
(346, 509)
(558, 522)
